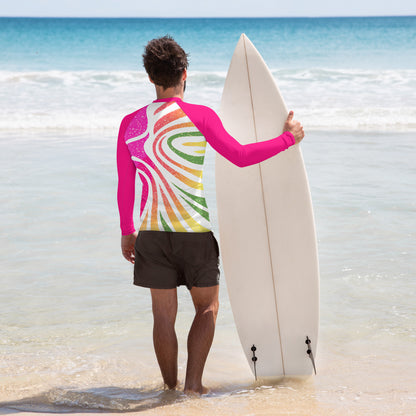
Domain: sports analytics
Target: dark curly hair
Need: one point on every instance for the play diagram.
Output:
(165, 61)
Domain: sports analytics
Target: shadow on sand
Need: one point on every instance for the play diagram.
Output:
(123, 400)
(94, 400)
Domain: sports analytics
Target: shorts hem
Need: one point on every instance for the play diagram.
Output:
(148, 286)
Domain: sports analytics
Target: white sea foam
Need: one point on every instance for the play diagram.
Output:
(325, 99)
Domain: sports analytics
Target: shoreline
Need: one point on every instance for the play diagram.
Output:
(361, 384)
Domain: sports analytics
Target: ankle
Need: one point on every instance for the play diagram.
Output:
(170, 385)
(196, 390)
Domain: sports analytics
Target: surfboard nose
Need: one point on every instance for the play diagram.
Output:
(242, 39)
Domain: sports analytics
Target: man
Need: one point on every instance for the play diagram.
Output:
(164, 143)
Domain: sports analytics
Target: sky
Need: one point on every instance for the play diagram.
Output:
(204, 8)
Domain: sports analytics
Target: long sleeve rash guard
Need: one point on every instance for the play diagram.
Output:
(165, 144)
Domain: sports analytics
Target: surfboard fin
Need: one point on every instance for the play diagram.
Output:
(310, 353)
(254, 359)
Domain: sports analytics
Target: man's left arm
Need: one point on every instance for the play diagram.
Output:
(126, 194)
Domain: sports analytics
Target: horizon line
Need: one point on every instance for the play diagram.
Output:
(210, 17)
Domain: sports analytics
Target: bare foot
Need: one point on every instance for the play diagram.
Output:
(197, 392)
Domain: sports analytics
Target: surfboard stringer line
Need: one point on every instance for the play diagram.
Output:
(265, 216)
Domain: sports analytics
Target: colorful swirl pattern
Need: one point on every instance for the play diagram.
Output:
(168, 152)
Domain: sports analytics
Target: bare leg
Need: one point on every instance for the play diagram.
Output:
(165, 306)
(201, 335)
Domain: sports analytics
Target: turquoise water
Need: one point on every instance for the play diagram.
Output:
(76, 335)
(116, 44)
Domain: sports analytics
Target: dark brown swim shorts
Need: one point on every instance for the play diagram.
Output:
(165, 260)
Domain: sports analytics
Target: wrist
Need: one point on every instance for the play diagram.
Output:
(290, 138)
(130, 231)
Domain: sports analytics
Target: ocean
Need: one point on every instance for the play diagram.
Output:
(75, 334)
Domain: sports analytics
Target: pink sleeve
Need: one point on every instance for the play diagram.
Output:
(210, 125)
(126, 181)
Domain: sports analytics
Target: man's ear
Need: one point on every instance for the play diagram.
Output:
(150, 79)
(184, 75)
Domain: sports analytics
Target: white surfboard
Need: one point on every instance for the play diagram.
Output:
(267, 231)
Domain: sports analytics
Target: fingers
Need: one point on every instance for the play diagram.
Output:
(301, 135)
(290, 116)
(297, 131)
(129, 255)
(127, 246)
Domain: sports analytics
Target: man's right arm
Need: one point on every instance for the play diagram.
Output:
(210, 125)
